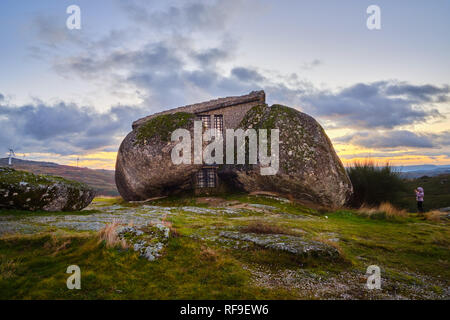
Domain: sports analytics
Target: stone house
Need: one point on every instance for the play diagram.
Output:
(309, 168)
(219, 114)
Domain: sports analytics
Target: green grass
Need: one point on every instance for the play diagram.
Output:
(9, 176)
(437, 192)
(183, 273)
(33, 267)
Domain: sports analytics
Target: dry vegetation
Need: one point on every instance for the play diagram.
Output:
(109, 235)
(57, 244)
(384, 208)
(435, 215)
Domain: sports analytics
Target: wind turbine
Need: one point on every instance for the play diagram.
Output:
(11, 155)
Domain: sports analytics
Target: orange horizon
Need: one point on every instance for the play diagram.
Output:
(107, 160)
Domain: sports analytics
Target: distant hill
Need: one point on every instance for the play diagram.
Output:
(430, 170)
(101, 180)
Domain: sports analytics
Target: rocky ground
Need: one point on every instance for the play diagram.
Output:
(279, 246)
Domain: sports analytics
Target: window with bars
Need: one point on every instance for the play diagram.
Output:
(206, 178)
(206, 121)
(218, 124)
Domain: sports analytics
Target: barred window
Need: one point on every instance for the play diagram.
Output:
(206, 178)
(206, 121)
(218, 124)
(211, 173)
(201, 181)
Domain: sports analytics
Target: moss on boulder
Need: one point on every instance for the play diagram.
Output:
(162, 126)
(26, 191)
(309, 166)
(144, 168)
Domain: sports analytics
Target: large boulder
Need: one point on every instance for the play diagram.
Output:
(309, 168)
(26, 191)
(144, 167)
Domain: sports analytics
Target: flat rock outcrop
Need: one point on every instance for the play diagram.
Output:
(26, 191)
(295, 245)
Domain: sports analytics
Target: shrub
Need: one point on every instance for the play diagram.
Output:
(373, 184)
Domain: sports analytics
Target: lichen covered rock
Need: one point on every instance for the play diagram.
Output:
(295, 245)
(27, 191)
(149, 240)
(309, 168)
(144, 166)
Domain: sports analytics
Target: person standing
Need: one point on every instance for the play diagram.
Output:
(420, 194)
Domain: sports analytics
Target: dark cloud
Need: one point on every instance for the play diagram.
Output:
(375, 105)
(189, 16)
(247, 75)
(211, 56)
(152, 58)
(396, 139)
(2, 97)
(64, 128)
(424, 93)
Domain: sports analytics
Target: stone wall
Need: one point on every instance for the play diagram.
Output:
(232, 116)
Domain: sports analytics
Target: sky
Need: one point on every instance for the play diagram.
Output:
(380, 94)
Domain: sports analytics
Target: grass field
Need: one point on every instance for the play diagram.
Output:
(437, 192)
(199, 263)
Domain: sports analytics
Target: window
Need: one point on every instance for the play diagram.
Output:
(218, 124)
(206, 120)
(201, 181)
(211, 174)
(206, 178)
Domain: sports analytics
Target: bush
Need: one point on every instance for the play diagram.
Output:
(373, 184)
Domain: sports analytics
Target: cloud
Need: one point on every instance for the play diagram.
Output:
(2, 97)
(189, 16)
(64, 128)
(173, 67)
(384, 104)
(396, 139)
(48, 30)
(163, 58)
(424, 93)
(211, 56)
(247, 75)
(311, 64)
